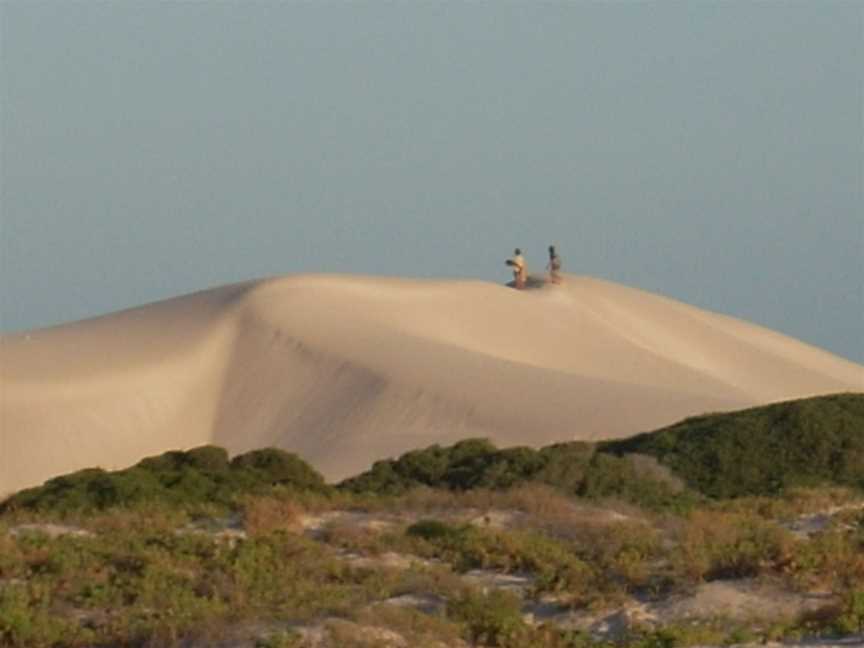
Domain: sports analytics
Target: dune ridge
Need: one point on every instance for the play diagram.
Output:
(345, 370)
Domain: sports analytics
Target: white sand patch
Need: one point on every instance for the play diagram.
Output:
(49, 529)
(743, 601)
(739, 600)
(426, 603)
(807, 525)
(492, 580)
(387, 560)
(315, 525)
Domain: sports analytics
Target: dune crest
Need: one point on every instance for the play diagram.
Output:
(346, 370)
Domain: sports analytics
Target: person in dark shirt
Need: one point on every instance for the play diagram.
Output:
(554, 266)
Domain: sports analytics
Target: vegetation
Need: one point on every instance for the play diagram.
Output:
(764, 450)
(151, 574)
(198, 477)
(187, 547)
(146, 582)
(554, 565)
(760, 451)
(575, 468)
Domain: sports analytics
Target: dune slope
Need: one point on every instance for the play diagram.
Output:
(347, 370)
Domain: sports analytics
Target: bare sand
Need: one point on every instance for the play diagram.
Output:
(345, 370)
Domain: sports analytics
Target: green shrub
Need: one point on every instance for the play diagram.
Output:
(494, 469)
(274, 466)
(715, 545)
(832, 559)
(565, 465)
(434, 531)
(573, 468)
(490, 619)
(26, 621)
(763, 450)
(608, 476)
(72, 491)
(851, 617)
(435, 467)
(672, 636)
(283, 639)
(554, 565)
(198, 477)
(208, 458)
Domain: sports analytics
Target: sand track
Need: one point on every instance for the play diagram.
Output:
(346, 370)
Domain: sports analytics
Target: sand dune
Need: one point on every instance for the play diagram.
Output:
(346, 370)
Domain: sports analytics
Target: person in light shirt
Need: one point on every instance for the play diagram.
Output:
(520, 270)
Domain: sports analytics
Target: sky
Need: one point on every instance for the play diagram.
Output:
(712, 152)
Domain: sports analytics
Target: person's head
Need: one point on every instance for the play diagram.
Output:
(517, 251)
(551, 250)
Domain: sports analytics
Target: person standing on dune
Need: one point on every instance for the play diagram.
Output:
(520, 270)
(554, 266)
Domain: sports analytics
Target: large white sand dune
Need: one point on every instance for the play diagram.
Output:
(346, 370)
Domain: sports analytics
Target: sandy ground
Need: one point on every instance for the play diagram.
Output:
(346, 370)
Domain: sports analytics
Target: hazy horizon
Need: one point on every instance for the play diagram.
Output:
(710, 152)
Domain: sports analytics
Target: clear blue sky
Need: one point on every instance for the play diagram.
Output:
(711, 152)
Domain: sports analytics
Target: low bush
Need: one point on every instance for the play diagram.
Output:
(572, 468)
(26, 619)
(266, 514)
(552, 563)
(489, 619)
(851, 617)
(832, 559)
(417, 629)
(764, 450)
(208, 458)
(198, 477)
(272, 466)
(714, 545)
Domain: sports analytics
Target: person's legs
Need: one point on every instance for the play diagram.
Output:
(520, 279)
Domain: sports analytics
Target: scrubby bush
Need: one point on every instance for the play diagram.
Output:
(273, 466)
(573, 468)
(851, 617)
(552, 563)
(494, 469)
(435, 467)
(626, 554)
(833, 558)
(763, 450)
(198, 477)
(626, 478)
(564, 463)
(716, 545)
(27, 622)
(434, 531)
(208, 458)
(490, 619)
(417, 629)
(264, 514)
(72, 491)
